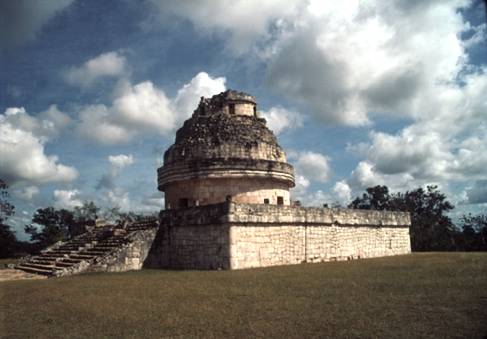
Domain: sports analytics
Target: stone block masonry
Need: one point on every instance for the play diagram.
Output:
(236, 236)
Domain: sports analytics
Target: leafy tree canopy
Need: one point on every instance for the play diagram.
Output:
(8, 241)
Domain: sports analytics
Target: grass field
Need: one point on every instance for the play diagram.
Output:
(436, 295)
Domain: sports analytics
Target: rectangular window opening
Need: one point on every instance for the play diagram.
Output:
(231, 108)
(280, 200)
(266, 201)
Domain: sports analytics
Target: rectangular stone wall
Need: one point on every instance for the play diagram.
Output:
(260, 246)
(268, 245)
(196, 247)
(235, 236)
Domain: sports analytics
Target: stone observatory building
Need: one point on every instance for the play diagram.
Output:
(225, 152)
(227, 204)
(226, 182)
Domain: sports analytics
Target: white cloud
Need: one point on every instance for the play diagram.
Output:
(23, 19)
(45, 125)
(67, 199)
(188, 97)
(27, 193)
(119, 198)
(98, 124)
(365, 176)
(143, 106)
(111, 64)
(280, 119)
(310, 167)
(121, 161)
(347, 59)
(54, 117)
(117, 164)
(313, 166)
(343, 192)
(144, 109)
(22, 152)
(301, 186)
(315, 199)
(241, 21)
(150, 203)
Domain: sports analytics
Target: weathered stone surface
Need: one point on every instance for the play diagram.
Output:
(235, 236)
(106, 248)
(226, 184)
(225, 151)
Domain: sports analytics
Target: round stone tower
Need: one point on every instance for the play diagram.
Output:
(225, 152)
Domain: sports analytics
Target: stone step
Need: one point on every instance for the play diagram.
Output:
(71, 261)
(40, 266)
(103, 248)
(42, 261)
(64, 264)
(111, 245)
(94, 253)
(34, 270)
(51, 257)
(111, 242)
(59, 253)
(70, 246)
(82, 256)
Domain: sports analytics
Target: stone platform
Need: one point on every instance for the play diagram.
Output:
(236, 236)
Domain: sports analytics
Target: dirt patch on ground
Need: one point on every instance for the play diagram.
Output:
(11, 274)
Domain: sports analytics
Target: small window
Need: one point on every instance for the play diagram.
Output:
(280, 200)
(266, 201)
(231, 108)
(183, 203)
(255, 111)
(228, 198)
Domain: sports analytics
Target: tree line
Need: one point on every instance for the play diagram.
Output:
(431, 227)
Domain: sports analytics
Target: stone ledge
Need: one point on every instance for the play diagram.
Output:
(225, 168)
(272, 215)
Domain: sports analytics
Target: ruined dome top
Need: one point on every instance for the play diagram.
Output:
(213, 129)
(225, 135)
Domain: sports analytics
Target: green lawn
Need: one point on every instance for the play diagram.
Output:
(436, 295)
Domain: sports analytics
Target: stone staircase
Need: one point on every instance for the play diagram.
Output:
(79, 253)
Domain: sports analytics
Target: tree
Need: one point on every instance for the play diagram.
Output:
(474, 232)
(8, 241)
(375, 198)
(55, 224)
(431, 229)
(60, 225)
(84, 215)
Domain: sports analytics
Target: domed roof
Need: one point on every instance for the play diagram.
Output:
(214, 138)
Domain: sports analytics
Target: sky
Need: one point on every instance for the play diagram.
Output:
(359, 93)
